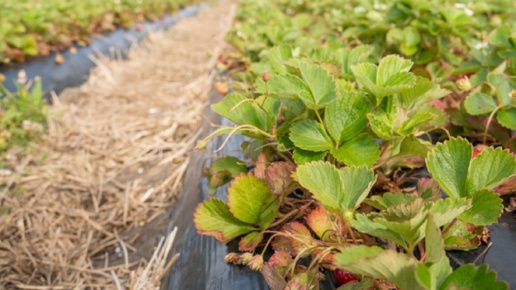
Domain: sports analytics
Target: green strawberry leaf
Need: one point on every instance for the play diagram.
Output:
(277, 55)
(395, 267)
(490, 168)
(431, 275)
(213, 218)
(402, 224)
(507, 118)
(365, 73)
(461, 237)
(504, 87)
(223, 170)
(424, 276)
(409, 126)
(351, 254)
(390, 199)
(302, 156)
(321, 84)
(346, 117)
(500, 37)
(448, 164)
(434, 244)
(422, 92)
(411, 145)
(475, 278)
(486, 208)
(479, 104)
(380, 125)
(361, 150)
(356, 184)
(390, 77)
(283, 87)
(348, 58)
(387, 118)
(393, 69)
(337, 190)
(310, 135)
(322, 179)
(365, 225)
(241, 110)
(445, 210)
(250, 241)
(250, 201)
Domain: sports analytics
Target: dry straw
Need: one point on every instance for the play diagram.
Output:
(112, 161)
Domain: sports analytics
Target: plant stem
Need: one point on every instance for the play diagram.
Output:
(421, 251)
(449, 227)
(320, 119)
(491, 116)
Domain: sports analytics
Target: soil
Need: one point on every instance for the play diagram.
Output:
(85, 209)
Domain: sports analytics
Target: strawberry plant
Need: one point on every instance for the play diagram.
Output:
(339, 122)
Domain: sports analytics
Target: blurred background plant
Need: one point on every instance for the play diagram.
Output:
(36, 27)
(23, 114)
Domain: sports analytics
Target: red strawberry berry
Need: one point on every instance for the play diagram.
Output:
(343, 277)
(476, 152)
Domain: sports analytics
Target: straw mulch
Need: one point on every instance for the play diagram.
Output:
(112, 161)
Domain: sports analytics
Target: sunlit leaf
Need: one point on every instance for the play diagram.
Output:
(250, 201)
(303, 156)
(475, 278)
(486, 208)
(395, 267)
(337, 190)
(310, 135)
(284, 87)
(507, 117)
(321, 84)
(490, 168)
(213, 218)
(361, 150)
(346, 117)
(448, 164)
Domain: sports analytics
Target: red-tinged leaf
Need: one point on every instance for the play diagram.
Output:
(273, 278)
(508, 186)
(296, 228)
(261, 165)
(279, 177)
(213, 218)
(250, 241)
(303, 281)
(283, 244)
(281, 261)
(302, 239)
(428, 189)
(327, 262)
(320, 222)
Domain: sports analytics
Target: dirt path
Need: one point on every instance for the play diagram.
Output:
(112, 162)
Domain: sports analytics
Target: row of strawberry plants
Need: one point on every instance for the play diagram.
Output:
(332, 116)
(34, 28)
